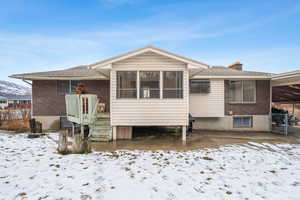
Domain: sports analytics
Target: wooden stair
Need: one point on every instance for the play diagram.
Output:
(101, 129)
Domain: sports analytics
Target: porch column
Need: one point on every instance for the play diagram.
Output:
(183, 133)
(114, 133)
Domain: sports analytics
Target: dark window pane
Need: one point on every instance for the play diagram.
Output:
(235, 92)
(63, 87)
(126, 84)
(173, 93)
(249, 91)
(149, 84)
(173, 84)
(242, 91)
(200, 86)
(126, 93)
(242, 122)
(74, 85)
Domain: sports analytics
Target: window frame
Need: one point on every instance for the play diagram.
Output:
(161, 84)
(242, 101)
(140, 88)
(136, 85)
(200, 81)
(242, 117)
(182, 84)
(70, 91)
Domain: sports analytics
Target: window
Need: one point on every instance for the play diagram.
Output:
(242, 91)
(126, 84)
(3, 101)
(66, 86)
(200, 86)
(242, 122)
(172, 84)
(149, 85)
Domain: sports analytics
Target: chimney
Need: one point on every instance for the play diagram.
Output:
(237, 66)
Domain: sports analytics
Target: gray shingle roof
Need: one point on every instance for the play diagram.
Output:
(225, 71)
(18, 97)
(83, 71)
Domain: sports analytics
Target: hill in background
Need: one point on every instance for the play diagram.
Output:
(10, 89)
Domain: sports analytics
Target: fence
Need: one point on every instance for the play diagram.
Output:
(280, 123)
(15, 114)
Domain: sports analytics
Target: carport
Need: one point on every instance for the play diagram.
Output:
(286, 96)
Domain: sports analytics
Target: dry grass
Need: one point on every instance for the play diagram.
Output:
(17, 126)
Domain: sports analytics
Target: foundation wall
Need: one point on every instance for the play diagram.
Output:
(49, 122)
(260, 123)
(124, 132)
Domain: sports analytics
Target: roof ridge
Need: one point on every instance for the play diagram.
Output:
(144, 48)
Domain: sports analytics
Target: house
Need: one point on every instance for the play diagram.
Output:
(15, 101)
(153, 87)
(3, 102)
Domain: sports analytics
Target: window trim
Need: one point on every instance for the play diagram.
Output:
(199, 81)
(243, 116)
(136, 84)
(159, 84)
(182, 89)
(161, 87)
(69, 87)
(242, 102)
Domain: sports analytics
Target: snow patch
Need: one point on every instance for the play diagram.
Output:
(31, 169)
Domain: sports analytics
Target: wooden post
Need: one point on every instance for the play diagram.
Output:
(73, 129)
(63, 143)
(183, 133)
(81, 144)
(76, 146)
(114, 133)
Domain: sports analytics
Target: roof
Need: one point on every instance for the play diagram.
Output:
(226, 72)
(151, 49)
(99, 70)
(93, 71)
(19, 97)
(286, 78)
(83, 72)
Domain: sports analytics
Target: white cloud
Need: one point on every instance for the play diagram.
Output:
(39, 52)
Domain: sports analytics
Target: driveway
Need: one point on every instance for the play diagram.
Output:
(197, 140)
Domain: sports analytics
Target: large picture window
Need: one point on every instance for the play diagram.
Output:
(126, 84)
(149, 84)
(173, 84)
(66, 86)
(242, 91)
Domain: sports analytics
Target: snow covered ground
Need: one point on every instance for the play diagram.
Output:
(31, 169)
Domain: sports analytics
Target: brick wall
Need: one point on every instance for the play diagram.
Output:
(261, 107)
(47, 102)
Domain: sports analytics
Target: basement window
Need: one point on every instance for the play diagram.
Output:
(199, 86)
(242, 122)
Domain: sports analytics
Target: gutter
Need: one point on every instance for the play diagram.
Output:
(59, 78)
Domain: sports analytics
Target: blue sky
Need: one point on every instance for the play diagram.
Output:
(57, 34)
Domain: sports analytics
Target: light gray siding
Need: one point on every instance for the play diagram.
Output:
(149, 112)
(210, 104)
